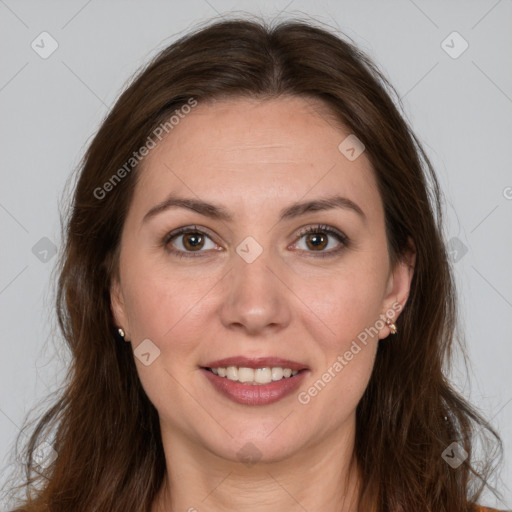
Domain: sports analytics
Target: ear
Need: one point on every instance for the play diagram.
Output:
(398, 287)
(117, 307)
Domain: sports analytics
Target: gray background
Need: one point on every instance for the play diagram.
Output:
(459, 107)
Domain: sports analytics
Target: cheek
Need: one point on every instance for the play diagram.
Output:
(347, 336)
(345, 303)
(161, 303)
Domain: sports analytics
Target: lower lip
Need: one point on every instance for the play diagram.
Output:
(258, 394)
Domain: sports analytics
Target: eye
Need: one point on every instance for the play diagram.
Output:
(317, 239)
(188, 240)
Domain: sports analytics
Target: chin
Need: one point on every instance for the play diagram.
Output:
(258, 445)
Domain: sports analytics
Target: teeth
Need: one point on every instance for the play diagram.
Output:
(244, 375)
(232, 373)
(277, 373)
(264, 375)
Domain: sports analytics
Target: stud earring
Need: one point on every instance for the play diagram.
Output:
(121, 332)
(392, 326)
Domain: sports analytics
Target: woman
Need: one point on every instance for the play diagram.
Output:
(257, 296)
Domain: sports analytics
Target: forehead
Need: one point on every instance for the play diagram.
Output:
(249, 154)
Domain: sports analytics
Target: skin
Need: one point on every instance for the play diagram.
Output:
(254, 158)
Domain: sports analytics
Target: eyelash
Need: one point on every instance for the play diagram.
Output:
(320, 228)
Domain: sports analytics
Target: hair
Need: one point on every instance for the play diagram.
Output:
(106, 431)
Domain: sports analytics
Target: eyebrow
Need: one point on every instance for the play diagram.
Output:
(218, 212)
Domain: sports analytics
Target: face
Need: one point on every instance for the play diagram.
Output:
(255, 283)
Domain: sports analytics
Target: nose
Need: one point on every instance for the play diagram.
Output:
(257, 298)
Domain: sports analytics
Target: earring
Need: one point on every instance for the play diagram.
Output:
(392, 326)
(121, 332)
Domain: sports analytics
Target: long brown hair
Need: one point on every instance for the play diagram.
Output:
(106, 431)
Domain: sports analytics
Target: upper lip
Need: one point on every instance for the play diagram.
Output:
(259, 362)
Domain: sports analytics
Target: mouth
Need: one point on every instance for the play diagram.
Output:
(256, 386)
(254, 376)
(255, 381)
(255, 371)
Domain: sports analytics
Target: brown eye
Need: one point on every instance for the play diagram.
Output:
(316, 241)
(193, 241)
(187, 241)
(319, 238)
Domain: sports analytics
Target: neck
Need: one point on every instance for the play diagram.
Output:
(323, 477)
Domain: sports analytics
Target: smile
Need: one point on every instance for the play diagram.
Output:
(254, 376)
(251, 392)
